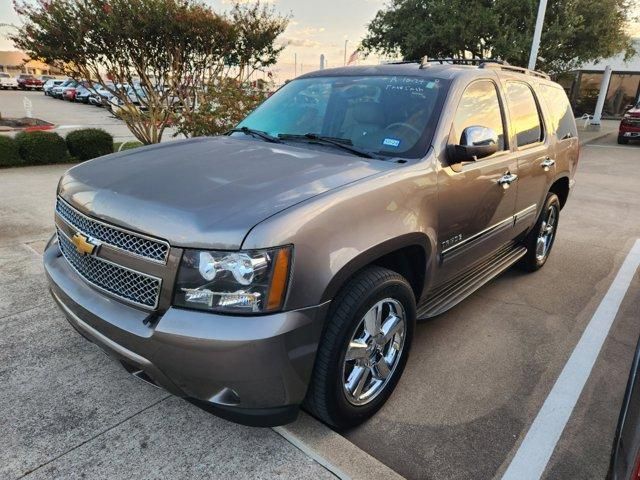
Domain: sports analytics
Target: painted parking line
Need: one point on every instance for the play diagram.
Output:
(535, 451)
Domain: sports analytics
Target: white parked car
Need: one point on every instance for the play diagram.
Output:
(49, 84)
(7, 81)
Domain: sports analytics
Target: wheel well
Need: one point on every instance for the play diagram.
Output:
(561, 189)
(409, 262)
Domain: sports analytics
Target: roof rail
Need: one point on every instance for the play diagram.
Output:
(513, 68)
(482, 63)
(426, 61)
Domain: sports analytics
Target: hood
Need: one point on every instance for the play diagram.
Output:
(206, 192)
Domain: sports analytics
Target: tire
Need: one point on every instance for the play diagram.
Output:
(622, 140)
(327, 397)
(537, 254)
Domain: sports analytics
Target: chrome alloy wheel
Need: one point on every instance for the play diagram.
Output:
(374, 351)
(547, 232)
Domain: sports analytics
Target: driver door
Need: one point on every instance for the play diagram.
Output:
(476, 205)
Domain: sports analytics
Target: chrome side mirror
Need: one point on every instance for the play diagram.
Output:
(475, 142)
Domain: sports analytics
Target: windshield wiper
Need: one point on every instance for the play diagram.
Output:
(343, 143)
(255, 133)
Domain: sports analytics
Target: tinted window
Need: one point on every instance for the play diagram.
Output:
(561, 118)
(479, 106)
(389, 115)
(523, 113)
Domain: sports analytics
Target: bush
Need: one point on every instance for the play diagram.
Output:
(89, 143)
(41, 148)
(9, 153)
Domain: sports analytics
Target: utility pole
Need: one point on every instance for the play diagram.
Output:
(295, 65)
(542, 8)
(345, 52)
(322, 62)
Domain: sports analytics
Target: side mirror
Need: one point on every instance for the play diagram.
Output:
(475, 142)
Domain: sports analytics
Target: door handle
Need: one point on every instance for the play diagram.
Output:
(547, 163)
(507, 179)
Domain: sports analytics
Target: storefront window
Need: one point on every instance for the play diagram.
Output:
(622, 91)
(586, 96)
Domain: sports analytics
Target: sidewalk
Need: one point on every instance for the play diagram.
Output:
(590, 133)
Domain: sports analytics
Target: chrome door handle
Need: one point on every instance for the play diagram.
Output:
(547, 164)
(507, 179)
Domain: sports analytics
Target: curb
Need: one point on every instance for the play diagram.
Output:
(333, 451)
(594, 138)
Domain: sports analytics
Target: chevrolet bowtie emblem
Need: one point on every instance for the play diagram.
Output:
(83, 244)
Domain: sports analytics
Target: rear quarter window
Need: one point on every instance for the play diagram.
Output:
(561, 119)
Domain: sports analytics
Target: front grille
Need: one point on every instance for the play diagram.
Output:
(132, 286)
(136, 244)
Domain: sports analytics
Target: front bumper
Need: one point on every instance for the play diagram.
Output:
(250, 369)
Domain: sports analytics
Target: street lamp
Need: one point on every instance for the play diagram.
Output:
(542, 7)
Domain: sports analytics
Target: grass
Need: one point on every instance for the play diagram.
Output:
(121, 146)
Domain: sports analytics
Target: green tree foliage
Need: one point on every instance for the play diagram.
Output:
(171, 48)
(575, 31)
(222, 105)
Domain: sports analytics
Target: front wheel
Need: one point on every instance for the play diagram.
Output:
(539, 240)
(622, 140)
(364, 348)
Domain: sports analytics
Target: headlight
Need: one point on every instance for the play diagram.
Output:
(251, 281)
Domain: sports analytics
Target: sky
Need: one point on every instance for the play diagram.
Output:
(316, 27)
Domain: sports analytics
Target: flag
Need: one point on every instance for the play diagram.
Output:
(353, 57)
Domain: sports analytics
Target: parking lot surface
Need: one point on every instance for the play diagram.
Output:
(65, 115)
(478, 375)
(476, 378)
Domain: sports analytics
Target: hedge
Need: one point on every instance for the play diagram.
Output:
(9, 153)
(41, 148)
(89, 143)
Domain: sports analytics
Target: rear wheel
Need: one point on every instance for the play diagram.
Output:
(622, 140)
(539, 240)
(364, 348)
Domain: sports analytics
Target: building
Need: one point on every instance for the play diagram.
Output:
(16, 62)
(583, 86)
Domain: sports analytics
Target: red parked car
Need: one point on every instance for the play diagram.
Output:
(69, 94)
(630, 125)
(26, 81)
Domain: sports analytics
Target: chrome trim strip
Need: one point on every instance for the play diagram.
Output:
(526, 212)
(104, 290)
(512, 219)
(479, 234)
(120, 229)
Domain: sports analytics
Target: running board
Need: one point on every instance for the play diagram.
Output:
(453, 292)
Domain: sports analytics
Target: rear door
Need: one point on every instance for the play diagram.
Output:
(536, 158)
(475, 209)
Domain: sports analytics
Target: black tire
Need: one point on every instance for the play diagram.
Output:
(326, 398)
(532, 261)
(622, 140)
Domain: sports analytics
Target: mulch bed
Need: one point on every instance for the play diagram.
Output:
(25, 123)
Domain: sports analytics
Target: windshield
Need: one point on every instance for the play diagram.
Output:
(386, 115)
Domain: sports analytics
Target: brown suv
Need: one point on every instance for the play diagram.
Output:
(287, 262)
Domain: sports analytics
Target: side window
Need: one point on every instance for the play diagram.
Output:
(479, 106)
(563, 124)
(524, 115)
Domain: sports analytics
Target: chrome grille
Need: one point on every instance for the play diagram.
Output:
(132, 286)
(136, 244)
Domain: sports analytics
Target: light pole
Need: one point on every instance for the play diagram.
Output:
(542, 8)
(345, 52)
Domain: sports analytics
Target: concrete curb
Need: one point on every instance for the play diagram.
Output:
(601, 135)
(333, 451)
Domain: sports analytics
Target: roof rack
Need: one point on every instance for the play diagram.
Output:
(513, 68)
(482, 63)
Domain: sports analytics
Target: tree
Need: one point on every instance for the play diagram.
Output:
(170, 48)
(221, 106)
(575, 31)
